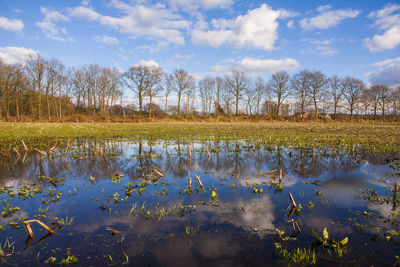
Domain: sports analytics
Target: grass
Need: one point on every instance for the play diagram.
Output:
(376, 137)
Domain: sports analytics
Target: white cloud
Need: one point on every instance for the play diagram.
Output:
(322, 42)
(108, 40)
(386, 62)
(323, 8)
(257, 28)
(290, 24)
(139, 20)
(325, 51)
(384, 18)
(154, 48)
(197, 4)
(388, 20)
(254, 66)
(389, 75)
(320, 47)
(327, 18)
(286, 14)
(149, 63)
(389, 40)
(48, 26)
(11, 24)
(15, 55)
(84, 12)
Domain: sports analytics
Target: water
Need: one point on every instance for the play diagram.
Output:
(164, 223)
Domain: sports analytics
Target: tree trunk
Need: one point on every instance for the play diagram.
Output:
(166, 105)
(315, 109)
(48, 106)
(334, 111)
(39, 105)
(59, 102)
(140, 106)
(179, 103)
(150, 107)
(17, 108)
(237, 104)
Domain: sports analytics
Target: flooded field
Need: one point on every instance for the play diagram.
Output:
(133, 202)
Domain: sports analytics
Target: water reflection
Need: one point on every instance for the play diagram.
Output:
(166, 224)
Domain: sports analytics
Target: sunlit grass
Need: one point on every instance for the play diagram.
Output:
(377, 137)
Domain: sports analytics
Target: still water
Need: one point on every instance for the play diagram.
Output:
(109, 205)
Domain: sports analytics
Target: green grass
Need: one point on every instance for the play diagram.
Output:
(376, 137)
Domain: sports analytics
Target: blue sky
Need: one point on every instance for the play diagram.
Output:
(210, 37)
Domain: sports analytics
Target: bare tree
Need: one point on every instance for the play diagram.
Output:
(318, 82)
(113, 90)
(372, 94)
(395, 96)
(353, 89)
(365, 101)
(237, 83)
(182, 84)
(19, 84)
(136, 79)
(153, 84)
(6, 81)
(383, 97)
(278, 84)
(36, 70)
(219, 87)
(336, 90)
(93, 72)
(168, 88)
(300, 83)
(261, 90)
(206, 90)
(251, 99)
(227, 97)
(77, 78)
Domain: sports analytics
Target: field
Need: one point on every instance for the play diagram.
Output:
(151, 194)
(374, 137)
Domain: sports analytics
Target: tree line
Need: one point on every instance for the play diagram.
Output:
(47, 89)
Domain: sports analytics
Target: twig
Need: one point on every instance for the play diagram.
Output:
(291, 211)
(52, 181)
(271, 172)
(159, 173)
(130, 192)
(41, 152)
(25, 147)
(16, 151)
(29, 231)
(190, 183)
(280, 176)
(301, 168)
(292, 200)
(51, 149)
(298, 226)
(198, 179)
(66, 149)
(28, 222)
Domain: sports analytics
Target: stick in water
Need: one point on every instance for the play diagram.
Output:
(25, 147)
(292, 200)
(198, 179)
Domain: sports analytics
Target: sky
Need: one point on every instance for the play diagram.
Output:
(210, 37)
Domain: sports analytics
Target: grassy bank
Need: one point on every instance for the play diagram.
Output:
(382, 137)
